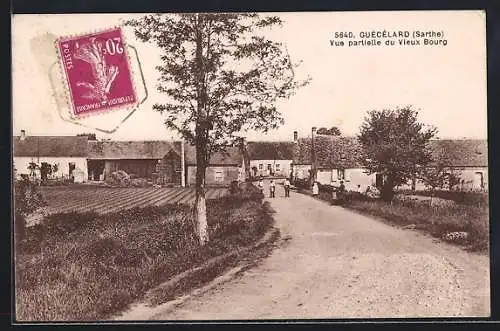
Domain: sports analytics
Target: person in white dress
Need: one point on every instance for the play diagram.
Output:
(315, 189)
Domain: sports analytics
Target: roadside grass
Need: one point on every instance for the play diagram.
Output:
(437, 220)
(82, 266)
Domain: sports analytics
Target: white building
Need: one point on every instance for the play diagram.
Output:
(339, 159)
(465, 158)
(67, 156)
(270, 158)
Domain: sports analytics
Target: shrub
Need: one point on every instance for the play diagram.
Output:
(27, 199)
(235, 188)
(65, 223)
(56, 182)
(302, 183)
(462, 197)
(120, 178)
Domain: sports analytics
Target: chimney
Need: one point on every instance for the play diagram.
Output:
(295, 136)
(313, 155)
(23, 135)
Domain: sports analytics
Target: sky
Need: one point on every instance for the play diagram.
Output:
(446, 84)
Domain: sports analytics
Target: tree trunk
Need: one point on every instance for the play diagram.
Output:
(200, 208)
(387, 192)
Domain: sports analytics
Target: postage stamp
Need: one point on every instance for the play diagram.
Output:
(97, 72)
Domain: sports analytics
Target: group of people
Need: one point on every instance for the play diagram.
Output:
(339, 194)
(272, 187)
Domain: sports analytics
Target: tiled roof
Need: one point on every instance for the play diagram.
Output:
(231, 156)
(331, 151)
(462, 152)
(50, 146)
(270, 150)
(131, 150)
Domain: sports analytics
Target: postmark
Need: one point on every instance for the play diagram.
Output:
(97, 72)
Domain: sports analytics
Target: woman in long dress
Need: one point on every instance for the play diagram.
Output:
(315, 189)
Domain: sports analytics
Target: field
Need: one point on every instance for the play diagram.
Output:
(108, 200)
(87, 267)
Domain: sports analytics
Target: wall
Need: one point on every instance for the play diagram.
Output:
(352, 178)
(284, 167)
(471, 181)
(212, 175)
(21, 165)
(301, 171)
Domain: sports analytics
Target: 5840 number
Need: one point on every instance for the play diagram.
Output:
(339, 35)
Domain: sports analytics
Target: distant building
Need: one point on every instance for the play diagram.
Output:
(270, 158)
(162, 162)
(142, 159)
(467, 158)
(340, 159)
(224, 167)
(337, 159)
(67, 155)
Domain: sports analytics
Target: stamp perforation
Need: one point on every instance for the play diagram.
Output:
(63, 75)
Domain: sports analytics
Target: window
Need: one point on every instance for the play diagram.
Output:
(379, 180)
(480, 179)
(341, 174)
(277, 166)
(219, 175)
(261, 166)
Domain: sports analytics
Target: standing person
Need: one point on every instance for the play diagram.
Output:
(334, 193)
(340, 192)
(359, 192)
(261, 185)
(287, 188)
(315, 189)
(272, 189)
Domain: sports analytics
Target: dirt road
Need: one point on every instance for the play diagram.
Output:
(339, 264)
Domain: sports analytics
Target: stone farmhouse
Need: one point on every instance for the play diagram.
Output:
(338, 159)
(270, 158)
(69, 154)
(162, 162)
(174, 162)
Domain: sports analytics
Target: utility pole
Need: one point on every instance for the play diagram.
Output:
(313, 155)
(183, 165)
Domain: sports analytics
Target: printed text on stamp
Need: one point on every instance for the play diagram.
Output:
(97, 72)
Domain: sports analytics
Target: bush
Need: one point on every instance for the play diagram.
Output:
(27, 199)
(462, 197)
(302, 183)
(235, 188)
(120, 178)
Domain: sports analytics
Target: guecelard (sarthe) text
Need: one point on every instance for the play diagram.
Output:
(389, 38)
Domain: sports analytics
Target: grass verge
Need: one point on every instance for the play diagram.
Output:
(436, 220)
(80, 267)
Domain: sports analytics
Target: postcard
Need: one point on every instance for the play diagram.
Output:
(250, 166)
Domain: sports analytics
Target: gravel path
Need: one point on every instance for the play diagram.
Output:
(338, 264)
